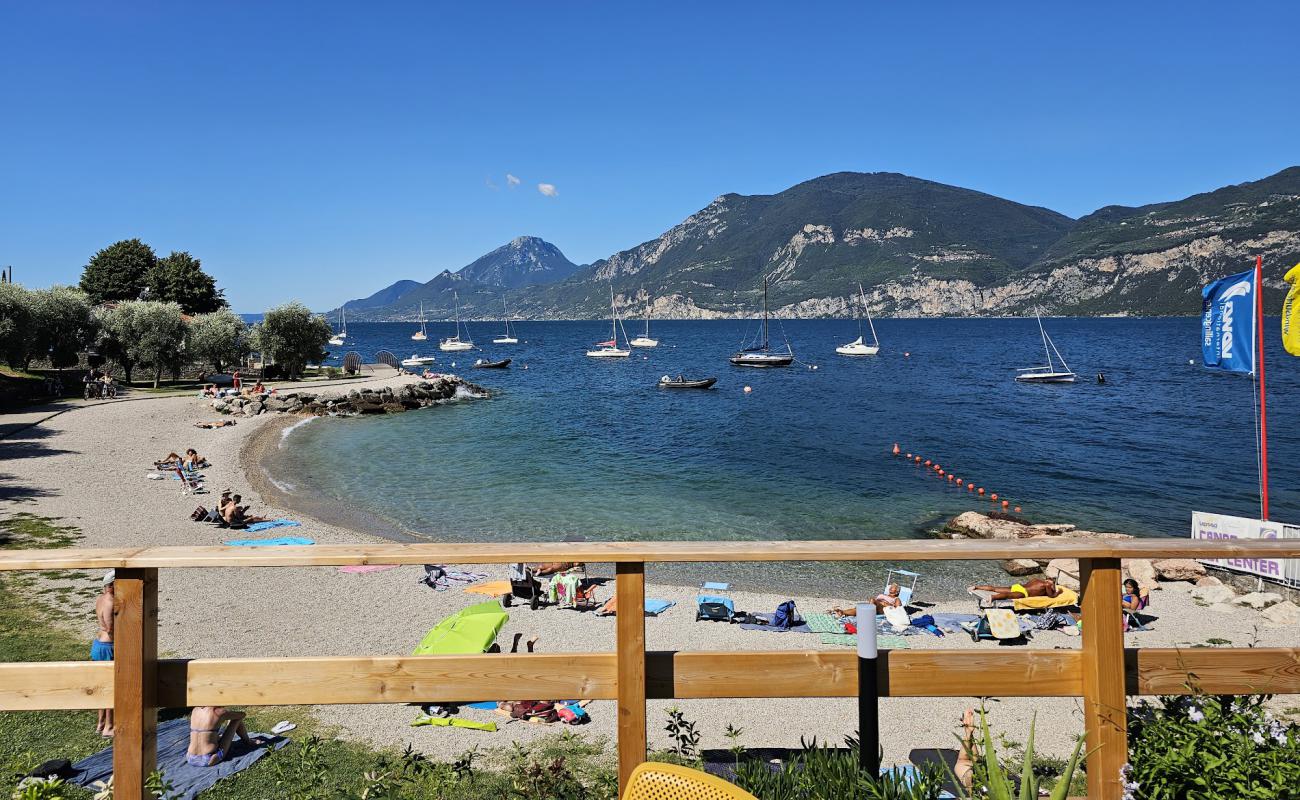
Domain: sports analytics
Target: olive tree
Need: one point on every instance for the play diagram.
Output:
(62, 324)
(143, 333)
(16, 308)
(219, 339)
(292, 336)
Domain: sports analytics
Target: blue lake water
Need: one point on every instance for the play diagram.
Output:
(579, 446)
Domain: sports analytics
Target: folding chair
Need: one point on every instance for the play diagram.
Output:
(1132, 622)
(904, 592)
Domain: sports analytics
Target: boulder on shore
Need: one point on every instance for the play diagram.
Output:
(1179, 569)
(1284, 613)
(1259, 600)
(1065, 571)
(1213, 595)
(1142, 571)
(1020, 566)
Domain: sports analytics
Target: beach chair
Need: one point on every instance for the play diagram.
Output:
(191, 482)
(1132, 622)
(716, 605)
(906, 583)
(656, 780)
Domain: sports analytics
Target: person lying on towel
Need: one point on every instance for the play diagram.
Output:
(191, 460)
(209, 742)
(554, 567)
(886, 599)
(1038, 587)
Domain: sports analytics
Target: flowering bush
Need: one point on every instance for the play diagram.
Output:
(1211, 748)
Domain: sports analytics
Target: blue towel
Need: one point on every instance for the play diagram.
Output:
(487, 705)
(654, 607)
(269, 524)
(173, 741)
(282, 541)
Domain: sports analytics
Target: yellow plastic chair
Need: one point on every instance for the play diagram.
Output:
(655, 781)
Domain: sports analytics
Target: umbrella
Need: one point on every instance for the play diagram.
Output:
(470, 630)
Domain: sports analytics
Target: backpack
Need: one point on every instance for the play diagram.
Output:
(786, 616)
(55, 768)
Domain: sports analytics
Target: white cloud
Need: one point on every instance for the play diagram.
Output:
(511, 180)
(548, 189)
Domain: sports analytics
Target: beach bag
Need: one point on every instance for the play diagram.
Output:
(786, 616)
(572, 714)
(897, 618)
(54, 768)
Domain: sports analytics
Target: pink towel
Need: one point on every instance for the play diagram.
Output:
(361, 568)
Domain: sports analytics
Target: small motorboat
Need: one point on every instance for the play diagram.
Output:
(485, 364)
(682, 383)
(418, 361)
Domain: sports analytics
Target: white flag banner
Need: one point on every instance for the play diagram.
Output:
(1222, 526)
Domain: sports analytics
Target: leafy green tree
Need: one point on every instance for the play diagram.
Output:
(291, 336)
(16, 308)
(118, 271)
(179, 278)
(219, 338)
(62, 325)
(143, 333)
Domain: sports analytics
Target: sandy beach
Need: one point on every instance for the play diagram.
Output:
(87, 467)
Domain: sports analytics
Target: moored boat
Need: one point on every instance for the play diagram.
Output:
(485, 364)
(761, 355)
(680, 382)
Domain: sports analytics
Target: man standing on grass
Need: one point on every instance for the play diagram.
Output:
(101, 647)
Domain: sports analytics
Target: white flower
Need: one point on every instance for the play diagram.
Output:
(1257, 738)
(1195, 714)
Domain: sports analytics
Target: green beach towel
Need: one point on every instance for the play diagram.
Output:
(823, 623)
(885, 641)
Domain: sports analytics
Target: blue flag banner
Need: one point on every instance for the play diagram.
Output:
(1228, 323)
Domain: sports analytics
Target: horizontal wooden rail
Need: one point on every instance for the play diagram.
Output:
(643, 552)
(670, 675)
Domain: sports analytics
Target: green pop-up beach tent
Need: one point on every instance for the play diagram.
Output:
(470, 630)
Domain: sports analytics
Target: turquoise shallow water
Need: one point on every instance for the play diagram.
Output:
(574, 446)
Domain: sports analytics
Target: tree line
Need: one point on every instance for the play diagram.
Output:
(157, 314)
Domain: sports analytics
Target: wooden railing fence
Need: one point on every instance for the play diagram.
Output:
(1101, 672)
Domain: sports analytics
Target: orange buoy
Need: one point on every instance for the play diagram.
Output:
(1017, 509)
(959, 481)
(927, 462)
(970, 487)
(1005, 503)
(895, 448)
(909, 455)
(748, 390)
(950, 477)
(941, 473)
(918, 459)
(906, 354)
(981, 491)
(995, 497)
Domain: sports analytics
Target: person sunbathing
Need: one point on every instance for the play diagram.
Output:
(886, 599)
(209, 742)
(191, 460)
(1038, 587)
(218, 424)
(554, 567)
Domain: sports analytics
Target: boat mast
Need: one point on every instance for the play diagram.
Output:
(1046, 351)
(875, 339)
(764, 312)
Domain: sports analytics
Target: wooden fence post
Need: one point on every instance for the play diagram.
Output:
(135, 681)
(630, 591)
(1104, 706)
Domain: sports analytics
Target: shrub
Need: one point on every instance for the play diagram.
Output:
(1211, 748)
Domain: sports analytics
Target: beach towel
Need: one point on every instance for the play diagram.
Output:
(439, 578)
(361, 569)
(491, 588)
(453, 722)
(272, 523)
(754, 626)
(283, 541)
(1067, 597)
(653, 607)
(486, 705)
(823, 623)
(173, 741)
(887, 641)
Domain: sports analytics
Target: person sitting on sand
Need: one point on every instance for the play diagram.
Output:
(209, 742)
(1038, 587)
(886, 599)
(190, 461)
(1131, 599)
(236, 515)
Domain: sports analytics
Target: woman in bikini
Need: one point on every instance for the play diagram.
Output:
(209, 743)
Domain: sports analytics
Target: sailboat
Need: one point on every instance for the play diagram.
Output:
(761, 355)
(338, 338)
(1049, 373)
(645, 340)
(507, 338)
(455, 342)
(420, 335)
(610, 349)
(857, 347)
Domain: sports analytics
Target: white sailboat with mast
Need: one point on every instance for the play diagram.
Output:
(1048, 373)
(508, 338)
(610, 349)
(341, 337)
(455, 343)
(760, 354)
(858, 347)
(644, 340)
(421, 334)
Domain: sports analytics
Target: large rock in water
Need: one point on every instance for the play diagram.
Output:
(1179, 569)
(974, 525)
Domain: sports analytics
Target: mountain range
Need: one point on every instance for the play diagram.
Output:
(919, 248)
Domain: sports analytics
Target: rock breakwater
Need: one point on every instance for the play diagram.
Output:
(354, 402)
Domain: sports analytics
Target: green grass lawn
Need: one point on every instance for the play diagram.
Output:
(315, 766)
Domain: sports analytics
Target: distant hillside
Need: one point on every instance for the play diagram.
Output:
(382, 297)
(525, 261)
(919, 248)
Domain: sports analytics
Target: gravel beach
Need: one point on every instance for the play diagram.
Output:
(88, 466)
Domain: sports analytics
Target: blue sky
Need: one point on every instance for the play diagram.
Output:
(320, 151)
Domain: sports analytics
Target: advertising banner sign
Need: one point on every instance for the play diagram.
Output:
(1222, 526)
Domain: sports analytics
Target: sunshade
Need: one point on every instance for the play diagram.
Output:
(470, 630)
